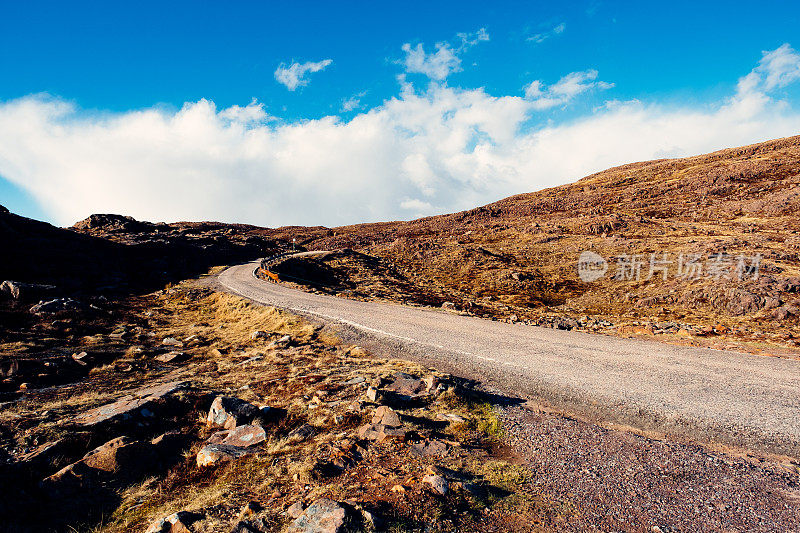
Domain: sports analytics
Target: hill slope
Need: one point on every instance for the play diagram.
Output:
(519, 256)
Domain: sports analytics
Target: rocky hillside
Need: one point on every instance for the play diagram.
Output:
(116, 253)
(703, 245)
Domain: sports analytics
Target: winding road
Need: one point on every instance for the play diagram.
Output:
(741, 398)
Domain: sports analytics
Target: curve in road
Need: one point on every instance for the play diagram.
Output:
(739, 398)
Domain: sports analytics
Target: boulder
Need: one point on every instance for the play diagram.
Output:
(322, 516)
(429, 448)
(211, 454)
(386, 416)
(228, 412)
(242, 436)
(259, 334)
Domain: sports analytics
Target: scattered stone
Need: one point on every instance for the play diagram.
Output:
(437, 483)
(374, 395)
(386, 416)
(211, 454)
(429, 448)
(407, 385)
(81, 358)
(172, 341)
(174, 523)
(380, 433)
(283, 342)
(242, 436)
(171, 357)
(228, 412)
(58, 305)
(450, 417)
(302, 433)
(215, 352)
(250, 509)
(322, 516)
(137, 402)
(246, 526)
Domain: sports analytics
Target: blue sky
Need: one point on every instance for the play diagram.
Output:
(89, 91)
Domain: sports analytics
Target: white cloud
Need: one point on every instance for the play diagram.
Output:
(296, 74)
(425, 151)
(564, 90)
(468, 40)
(352, 103)
(777, 69)
(445, 60)
(558, 29)
(436, 65)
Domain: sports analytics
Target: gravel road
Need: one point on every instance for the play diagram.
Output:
(746, 400)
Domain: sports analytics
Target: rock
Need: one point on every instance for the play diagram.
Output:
(171, 357)
(139, 402)
(452, 418)
(386, 416)
(283, 342)
(20, 291)
(302, 433)
(215, 352)
(211, 454)
(172, 341)
(322, 516)
(81, 358)
(247, 526)
(58, 305)
(296, 509)
(373, 394)
(174, 523)
(407, 385)
(449, 306)
(228, 412)
(119, 458)
(429, 448)
(380, 433)
(242, 436)
(258, 334)
(437, 483)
